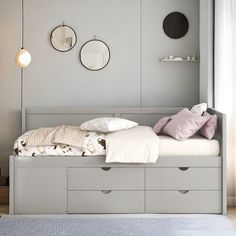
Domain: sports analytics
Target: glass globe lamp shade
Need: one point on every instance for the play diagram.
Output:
(23, 58)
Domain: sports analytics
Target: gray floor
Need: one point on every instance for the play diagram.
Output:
(145, 225)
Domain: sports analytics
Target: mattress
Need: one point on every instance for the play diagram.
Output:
(95, 146)
(194, 146)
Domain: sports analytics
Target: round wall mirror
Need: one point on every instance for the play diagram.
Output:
(175, 25)
(94, 55)
(63, 38)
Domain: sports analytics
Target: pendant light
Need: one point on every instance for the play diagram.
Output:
(23, 57)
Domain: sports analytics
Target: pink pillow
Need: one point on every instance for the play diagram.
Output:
(160, 125)
(209, 129)
(184, 124)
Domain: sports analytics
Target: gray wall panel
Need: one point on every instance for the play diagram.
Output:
(61, 77)
(169, 84)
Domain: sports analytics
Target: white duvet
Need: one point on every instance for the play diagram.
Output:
(136, 145)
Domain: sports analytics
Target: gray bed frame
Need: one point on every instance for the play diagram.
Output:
(63, 185)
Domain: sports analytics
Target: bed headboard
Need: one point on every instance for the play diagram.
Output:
(37, 117)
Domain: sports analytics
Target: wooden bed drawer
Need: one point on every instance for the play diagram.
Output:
(105, 202)
(106, 178)
(183, 178)
(183, 202)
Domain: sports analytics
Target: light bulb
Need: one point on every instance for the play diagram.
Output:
(23, 58)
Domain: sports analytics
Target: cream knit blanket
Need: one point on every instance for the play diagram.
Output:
(66, 135)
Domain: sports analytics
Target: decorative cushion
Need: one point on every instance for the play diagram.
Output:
(199, 108)
(160, 125)
(184, 124)
(209, 129)
(108, 124)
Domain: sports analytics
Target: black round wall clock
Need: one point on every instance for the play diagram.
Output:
(175, 25)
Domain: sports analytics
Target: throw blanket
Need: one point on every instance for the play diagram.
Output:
(66, 135)
(136, 145)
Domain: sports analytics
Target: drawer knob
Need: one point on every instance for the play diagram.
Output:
(106, 168)
(183, 168)
(183, 191)
(106, 191)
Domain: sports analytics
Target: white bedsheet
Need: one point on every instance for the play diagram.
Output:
(136, 145)
(194, 146)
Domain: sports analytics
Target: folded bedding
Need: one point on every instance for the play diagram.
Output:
(91, 143)
(136, 145)
(139, 144)
(66, 135)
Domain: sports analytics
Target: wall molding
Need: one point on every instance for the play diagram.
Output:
(206, 37)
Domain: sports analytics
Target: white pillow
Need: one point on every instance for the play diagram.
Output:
(199, 108)
(108, 124)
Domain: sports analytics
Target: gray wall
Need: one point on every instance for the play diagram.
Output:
(134, 76)
(10, 118)
(135, 51)
(61, 77)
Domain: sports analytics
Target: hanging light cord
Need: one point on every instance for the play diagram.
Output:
(22, 46)
(22, 23)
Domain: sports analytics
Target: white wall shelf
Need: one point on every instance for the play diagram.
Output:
(174, 60)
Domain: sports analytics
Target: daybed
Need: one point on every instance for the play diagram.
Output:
(188, 177)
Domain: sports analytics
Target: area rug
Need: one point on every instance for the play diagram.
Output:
(206, 225)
